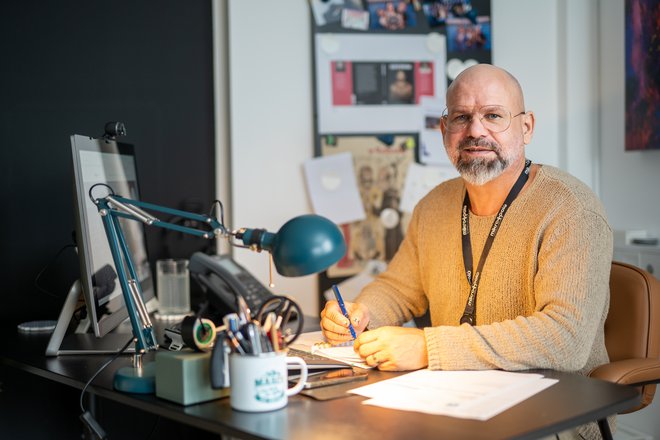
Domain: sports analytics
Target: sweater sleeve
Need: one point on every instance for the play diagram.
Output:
(571, 293)
(396, 295)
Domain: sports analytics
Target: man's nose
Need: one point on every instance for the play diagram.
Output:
(476, 127)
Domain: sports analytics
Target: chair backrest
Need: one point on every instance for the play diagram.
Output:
(632, 328)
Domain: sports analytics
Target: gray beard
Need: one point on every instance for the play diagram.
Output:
(480, 171)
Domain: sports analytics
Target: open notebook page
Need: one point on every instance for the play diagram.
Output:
(315, 343)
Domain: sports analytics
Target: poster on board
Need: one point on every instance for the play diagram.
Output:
(380, 163)
(374, 83)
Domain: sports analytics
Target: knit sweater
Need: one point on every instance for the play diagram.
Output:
(544, 291)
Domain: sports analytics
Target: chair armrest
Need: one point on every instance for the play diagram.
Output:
(635, 372)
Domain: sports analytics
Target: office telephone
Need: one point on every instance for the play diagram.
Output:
(222, 279)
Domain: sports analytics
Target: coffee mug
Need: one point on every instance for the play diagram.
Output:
(259, 382)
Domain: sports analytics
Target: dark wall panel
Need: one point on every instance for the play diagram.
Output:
(68, 67)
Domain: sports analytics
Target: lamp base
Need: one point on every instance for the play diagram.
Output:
(136, 380)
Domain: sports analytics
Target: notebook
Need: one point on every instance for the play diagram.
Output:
(314, 343)
(316, 362)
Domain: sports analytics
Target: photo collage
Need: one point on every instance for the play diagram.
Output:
(381, 70)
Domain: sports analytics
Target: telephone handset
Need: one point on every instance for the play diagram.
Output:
(222, 279)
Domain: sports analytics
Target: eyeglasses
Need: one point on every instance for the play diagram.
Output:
(494, 118)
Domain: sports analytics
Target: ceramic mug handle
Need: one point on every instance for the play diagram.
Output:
(303, 375)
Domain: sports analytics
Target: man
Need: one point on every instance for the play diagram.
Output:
(540, 296)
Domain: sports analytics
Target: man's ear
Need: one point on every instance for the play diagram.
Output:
(528, 126)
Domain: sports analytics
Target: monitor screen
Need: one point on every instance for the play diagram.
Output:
(112, 163)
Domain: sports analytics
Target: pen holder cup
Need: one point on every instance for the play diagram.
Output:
(259, 382)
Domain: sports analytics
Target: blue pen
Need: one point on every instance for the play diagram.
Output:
(340, 300)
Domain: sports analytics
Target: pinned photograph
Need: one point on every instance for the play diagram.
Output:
(391, 15)
(331, 11)
(354, 19)
(437, 12)
(464, 36)
(401, 83)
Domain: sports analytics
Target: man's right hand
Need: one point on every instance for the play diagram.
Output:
(335, 325)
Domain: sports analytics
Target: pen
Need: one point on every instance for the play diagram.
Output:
(235, 342)
(253, 337)
(340, 300)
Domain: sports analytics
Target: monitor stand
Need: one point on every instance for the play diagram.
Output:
(81, 342)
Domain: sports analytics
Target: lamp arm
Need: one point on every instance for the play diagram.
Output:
(113, 207)
(216, 227)
(143, 332)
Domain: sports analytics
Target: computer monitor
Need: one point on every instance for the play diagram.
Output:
(111, 163)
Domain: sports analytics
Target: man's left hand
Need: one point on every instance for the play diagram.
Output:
(393, 348)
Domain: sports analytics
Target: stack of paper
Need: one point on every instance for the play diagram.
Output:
(466, 394)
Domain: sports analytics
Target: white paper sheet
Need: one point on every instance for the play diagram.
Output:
(420, 180)
(333, 188)
(466, 394)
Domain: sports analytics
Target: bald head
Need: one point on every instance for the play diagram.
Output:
(489, 80)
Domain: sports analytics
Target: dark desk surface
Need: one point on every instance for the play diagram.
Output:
(573, 401)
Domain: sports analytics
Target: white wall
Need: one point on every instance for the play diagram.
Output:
(529, 50)
(550, 49)
(271, 125)
(271, 111)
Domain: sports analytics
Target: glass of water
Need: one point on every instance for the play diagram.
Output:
(173, 284)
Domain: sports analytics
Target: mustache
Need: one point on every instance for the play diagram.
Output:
(477, 142)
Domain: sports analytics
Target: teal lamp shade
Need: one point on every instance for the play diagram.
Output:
(304, 245)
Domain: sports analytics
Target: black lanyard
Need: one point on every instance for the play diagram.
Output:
(469, 315)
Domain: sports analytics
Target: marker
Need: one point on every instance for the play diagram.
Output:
(340, 300)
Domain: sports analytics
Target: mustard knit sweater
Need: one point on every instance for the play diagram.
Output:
(544, 291)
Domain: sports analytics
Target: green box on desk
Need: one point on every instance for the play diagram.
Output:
(184, 377)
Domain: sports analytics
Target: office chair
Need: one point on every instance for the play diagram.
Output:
(632, 332)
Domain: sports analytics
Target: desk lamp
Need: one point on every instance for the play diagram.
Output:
(304, 245)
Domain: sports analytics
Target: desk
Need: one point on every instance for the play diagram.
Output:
(573, 401)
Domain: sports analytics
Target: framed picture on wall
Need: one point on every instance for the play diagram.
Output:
(642, 75)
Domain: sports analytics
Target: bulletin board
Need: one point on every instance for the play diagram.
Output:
(381, 70)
